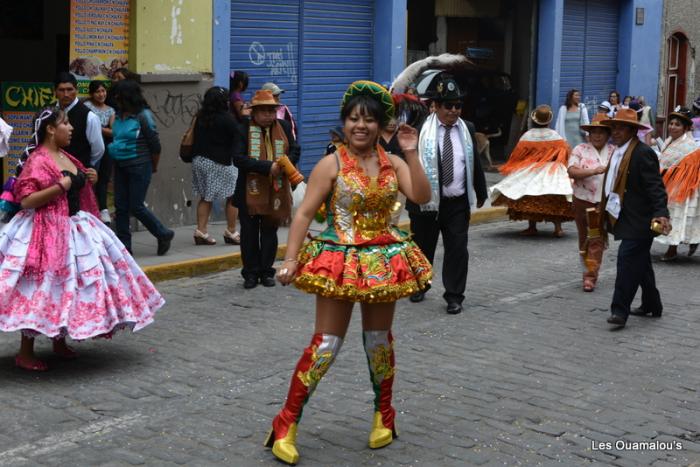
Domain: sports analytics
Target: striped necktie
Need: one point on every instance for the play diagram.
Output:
(447, 158)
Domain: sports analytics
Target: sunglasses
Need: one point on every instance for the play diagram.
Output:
(452, 105)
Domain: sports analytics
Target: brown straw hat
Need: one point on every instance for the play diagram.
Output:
(597, 122)
(263, 97)
(542, 114)
(626, 116)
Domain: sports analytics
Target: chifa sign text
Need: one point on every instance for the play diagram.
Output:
(27, 96)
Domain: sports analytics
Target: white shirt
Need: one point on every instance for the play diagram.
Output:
(456, 188)
(615, 166)
(614, 204)
(93, 133)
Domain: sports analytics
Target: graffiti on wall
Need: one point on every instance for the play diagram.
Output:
(172, 109)
(280, 62)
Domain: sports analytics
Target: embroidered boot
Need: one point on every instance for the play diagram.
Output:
(379, 348)
(312, 365)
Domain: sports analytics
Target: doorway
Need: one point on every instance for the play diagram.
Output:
(676, 71)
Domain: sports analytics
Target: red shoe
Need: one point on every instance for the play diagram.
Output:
(588, 285)
(31, 365)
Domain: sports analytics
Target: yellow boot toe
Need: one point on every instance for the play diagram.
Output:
(380, 435)
(285, 449)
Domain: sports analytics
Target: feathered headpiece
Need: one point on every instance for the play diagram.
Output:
(428, 68)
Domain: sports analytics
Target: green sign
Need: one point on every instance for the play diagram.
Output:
(26, 97)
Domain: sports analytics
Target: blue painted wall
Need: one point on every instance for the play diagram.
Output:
(640, 50)
(550, 27)
(222, 41)
(389, 39)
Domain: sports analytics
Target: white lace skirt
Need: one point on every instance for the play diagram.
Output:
(102, 289)
(551, 179)
(685, 220)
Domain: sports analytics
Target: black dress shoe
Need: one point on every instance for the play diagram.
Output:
(617, 320)
(454, 308)
(417, 297)
(267, 281)
(643, 312)
(250, 282)
(164, 243)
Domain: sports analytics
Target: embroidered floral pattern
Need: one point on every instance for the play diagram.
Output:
(98, 289)
(319, 366)
(380, 362)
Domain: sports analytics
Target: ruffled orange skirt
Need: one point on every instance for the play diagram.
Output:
(367, 273)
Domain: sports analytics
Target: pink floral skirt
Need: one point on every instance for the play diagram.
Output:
(100, 289)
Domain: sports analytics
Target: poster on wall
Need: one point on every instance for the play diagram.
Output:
(20, 102)
(99, 41)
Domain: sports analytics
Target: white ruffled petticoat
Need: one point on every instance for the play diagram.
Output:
(101, 290)
(685, 220)
(547, 180)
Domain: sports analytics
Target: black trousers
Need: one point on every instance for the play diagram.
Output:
(258, 245)
(452, 220)
(634, 270)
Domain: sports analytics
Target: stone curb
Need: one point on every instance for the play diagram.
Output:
(213, 264)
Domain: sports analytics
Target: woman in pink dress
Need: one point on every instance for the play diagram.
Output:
(63, 273)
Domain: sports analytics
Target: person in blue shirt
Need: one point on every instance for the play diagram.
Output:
(135, 149)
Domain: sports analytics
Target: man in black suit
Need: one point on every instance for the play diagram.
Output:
(447, 150)
(263, 140)
(635, 200)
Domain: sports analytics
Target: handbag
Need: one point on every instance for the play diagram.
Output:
(187, 142)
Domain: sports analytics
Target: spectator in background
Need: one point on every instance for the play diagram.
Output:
(388, 138)
(86, 144)
(572, 115)
(696, 120)
(606, 108)
(96, 103)
(283, 112)
(615, 104)
(337, 139)
(644, 134)
(123, 73)
(626, 102)
(213, 173)
(646, 116)
(237, 84)
(260, 179)
(135, 149)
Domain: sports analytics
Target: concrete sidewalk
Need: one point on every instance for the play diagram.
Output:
(185, 259)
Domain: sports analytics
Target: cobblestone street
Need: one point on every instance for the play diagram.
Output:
(528, 374)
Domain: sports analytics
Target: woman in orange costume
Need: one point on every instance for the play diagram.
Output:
(360, 257)
(679, 161)
(536, 186)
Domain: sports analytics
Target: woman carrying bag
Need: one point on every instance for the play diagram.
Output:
(213, 174)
